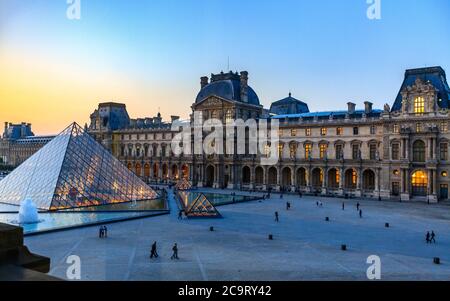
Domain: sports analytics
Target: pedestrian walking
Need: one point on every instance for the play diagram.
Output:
(357, 206)
(288, 205)
(100, 232)
(343, 206)
(180, 214)
(175, 252)
(153, 252)
(360, 213)
(432, 238)
(427, 237)
(276, 216)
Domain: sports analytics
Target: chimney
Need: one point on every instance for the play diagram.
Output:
(351, 107)
(244, 86)
(368, 107)
(174, 118)
(203, 81)
(5, 133)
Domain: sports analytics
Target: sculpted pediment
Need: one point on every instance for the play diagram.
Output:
(212, 101)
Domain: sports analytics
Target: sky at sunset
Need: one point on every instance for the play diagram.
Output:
(151, 54)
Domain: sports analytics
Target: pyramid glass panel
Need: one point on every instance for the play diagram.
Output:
(73, 170)
(201, 207)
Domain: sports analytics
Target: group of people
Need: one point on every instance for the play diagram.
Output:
(103, 232)
(154, 253)
(430, 238)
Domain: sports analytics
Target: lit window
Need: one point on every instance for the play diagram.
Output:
(323, 131)
(323, 151)
(308, 132)
(308, 148)
(339, 131)
(444, 126)
(418, 127)
(229, 116)
(280, 150)
(419, 105)
(396, 172)
(444, 174)
(396, 129)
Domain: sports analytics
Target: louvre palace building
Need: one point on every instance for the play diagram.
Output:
(397, 152)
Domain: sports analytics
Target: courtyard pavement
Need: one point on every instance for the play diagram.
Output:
(305, 246)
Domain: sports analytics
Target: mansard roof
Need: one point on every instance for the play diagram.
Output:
(435, 75)
(288, 105)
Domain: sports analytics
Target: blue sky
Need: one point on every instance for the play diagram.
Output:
(151, 54)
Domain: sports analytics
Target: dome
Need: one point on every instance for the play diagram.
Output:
(227, 86)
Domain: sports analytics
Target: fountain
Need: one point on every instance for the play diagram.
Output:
(28, 213)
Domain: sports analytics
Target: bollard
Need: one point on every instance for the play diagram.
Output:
(344, 247)
(270, 237)
(211, 229)
(387, 225)
(327, 219)
(436, 260)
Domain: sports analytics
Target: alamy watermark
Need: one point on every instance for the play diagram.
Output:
(235, 137)
(73, 272)
(374, 270)
(374, 9)
(73, 11)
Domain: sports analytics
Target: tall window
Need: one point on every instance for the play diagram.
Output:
(355, 151)
(419, 151)
(339, 131)
(418, 127)
(229, 116)
(419, 105)
(339, 153)
(444, 126)
(308, 148)
(323, 131)
(308, 132)
(395, 151)
(373, 152)
(373, 130)
(395, 129)
(443, 147)
(293, 150)
(280, 150)
(356, 130)
(323, 151)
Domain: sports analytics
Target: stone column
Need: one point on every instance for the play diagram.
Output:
(404, 196)
(341, 181)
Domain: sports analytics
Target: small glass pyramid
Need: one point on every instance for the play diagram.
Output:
(73, 170)
(201, 207)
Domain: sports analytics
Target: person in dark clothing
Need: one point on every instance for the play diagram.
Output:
(343, 206)
(427, 237)
(153, 252)
(281, 196)
(288, 205)
(175, 252)
(100, 232)
(105, 231)
(317, 203)
(276, 216)
(432, 238)
(357, 206)
(180, 214)
(360, 213)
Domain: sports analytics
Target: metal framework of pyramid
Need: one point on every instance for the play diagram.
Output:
(201, 207)
(183, 184)
(73, 170)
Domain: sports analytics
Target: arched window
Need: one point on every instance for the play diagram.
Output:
(419, 151)
(419, 105)
(419, 183)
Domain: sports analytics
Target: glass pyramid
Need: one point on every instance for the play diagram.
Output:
(201, 207)
(73, 170)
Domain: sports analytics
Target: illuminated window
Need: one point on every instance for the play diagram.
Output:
(396, 129)
(419, 105)
(308, 132)
(339, 131)
(444, 126)
(323, 151)
(293, 132)
(267, 150)
(396, 172)
(444, 174)
(229, 116)
(354, 177)
(308, 148)
(323, 131)
(338, 176)
(280, 150)
(418, 127)
(419, 183)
